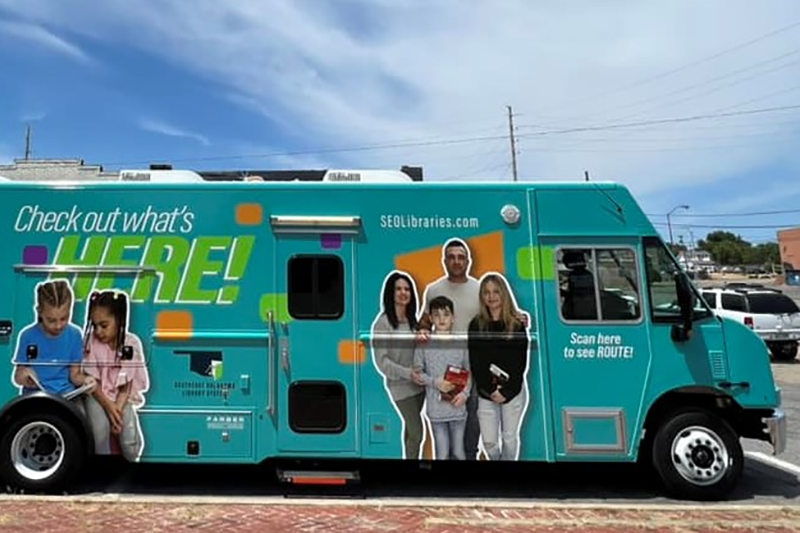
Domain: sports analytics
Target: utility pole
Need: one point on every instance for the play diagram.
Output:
(586, 174)
(513, 142)
(28, 142)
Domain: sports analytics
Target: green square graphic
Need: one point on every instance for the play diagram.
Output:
(532, 260)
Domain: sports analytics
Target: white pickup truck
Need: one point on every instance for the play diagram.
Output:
(773, 315)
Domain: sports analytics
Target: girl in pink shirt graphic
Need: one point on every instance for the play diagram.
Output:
(114, 357)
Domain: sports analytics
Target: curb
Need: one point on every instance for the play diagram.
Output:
(780, 464)
(116, 498)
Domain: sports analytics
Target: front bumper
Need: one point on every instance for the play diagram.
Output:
(775, 335)
(775, 427)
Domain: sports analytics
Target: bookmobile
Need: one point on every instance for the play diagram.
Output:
(186, 317)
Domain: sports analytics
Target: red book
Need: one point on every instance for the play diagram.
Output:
(457, 376)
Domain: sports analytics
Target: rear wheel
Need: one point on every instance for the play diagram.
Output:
(698, 456)
(40, 452)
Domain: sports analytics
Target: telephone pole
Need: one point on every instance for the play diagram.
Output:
(28, 142)
(513, 142)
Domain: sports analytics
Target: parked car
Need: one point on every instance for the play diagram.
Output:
(773, 315)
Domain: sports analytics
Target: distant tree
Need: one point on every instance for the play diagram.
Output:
(727, 248)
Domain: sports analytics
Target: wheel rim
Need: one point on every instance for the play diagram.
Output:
(37, 450)
(700, 456)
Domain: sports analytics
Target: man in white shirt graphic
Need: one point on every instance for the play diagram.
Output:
(464, 290)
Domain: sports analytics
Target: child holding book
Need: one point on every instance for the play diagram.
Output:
(48, 355)
(443, 365)
(114, 357)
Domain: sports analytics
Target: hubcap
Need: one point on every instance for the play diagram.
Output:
(37, 451)
(700, 456)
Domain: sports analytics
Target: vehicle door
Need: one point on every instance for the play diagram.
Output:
(315, 370)
(597, 345)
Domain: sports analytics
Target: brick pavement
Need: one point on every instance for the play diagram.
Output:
(65, 515)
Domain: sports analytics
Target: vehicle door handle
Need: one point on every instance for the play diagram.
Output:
(729, 385)
(273, 386)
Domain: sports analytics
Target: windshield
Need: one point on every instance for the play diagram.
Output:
(771, 304)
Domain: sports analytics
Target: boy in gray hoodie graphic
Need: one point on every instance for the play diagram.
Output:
(443, 364)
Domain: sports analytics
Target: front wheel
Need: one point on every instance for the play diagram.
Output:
(783, 351)
(698, 456)
(40, 452)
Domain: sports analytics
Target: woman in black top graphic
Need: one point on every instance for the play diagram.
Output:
(498, 353)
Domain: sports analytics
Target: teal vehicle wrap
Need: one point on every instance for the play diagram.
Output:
(410, 321)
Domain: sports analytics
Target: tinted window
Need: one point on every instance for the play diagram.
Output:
(317, 407)
(301, 287)
(771, 304)
(316, 287)
(598, 284)
(577, 284)
(710, 298)
(733, 302)
(619, 286)
(661, 269)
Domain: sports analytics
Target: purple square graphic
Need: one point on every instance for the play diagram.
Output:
(331, 241)
(34, 255)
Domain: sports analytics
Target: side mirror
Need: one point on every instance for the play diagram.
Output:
(686, 300)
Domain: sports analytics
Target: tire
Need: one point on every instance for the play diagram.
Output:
(715, 457)
(40, 452)
(783, 351)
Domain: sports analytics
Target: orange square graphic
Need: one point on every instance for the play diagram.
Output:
(352, 352)
(174, 325)
(249, 214)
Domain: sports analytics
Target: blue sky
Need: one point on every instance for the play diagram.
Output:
(277, 84)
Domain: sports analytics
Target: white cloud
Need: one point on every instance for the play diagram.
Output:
(45, 38)
(440, 70)
(163, 128)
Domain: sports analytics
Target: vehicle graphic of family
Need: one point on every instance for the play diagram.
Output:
(100, 369)
(463, 357)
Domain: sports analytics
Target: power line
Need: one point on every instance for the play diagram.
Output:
(764, 97)
(468, 140)
(686, 66)
(711, 81)
(750, 214)
(758, 226)
(660, 121)
(617, 139)
(688, 148)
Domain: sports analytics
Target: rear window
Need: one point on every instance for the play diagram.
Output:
(734, 302)
(771, 304)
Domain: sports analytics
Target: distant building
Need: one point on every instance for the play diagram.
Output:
(789, 244)
(54, 170)
(694, 260)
